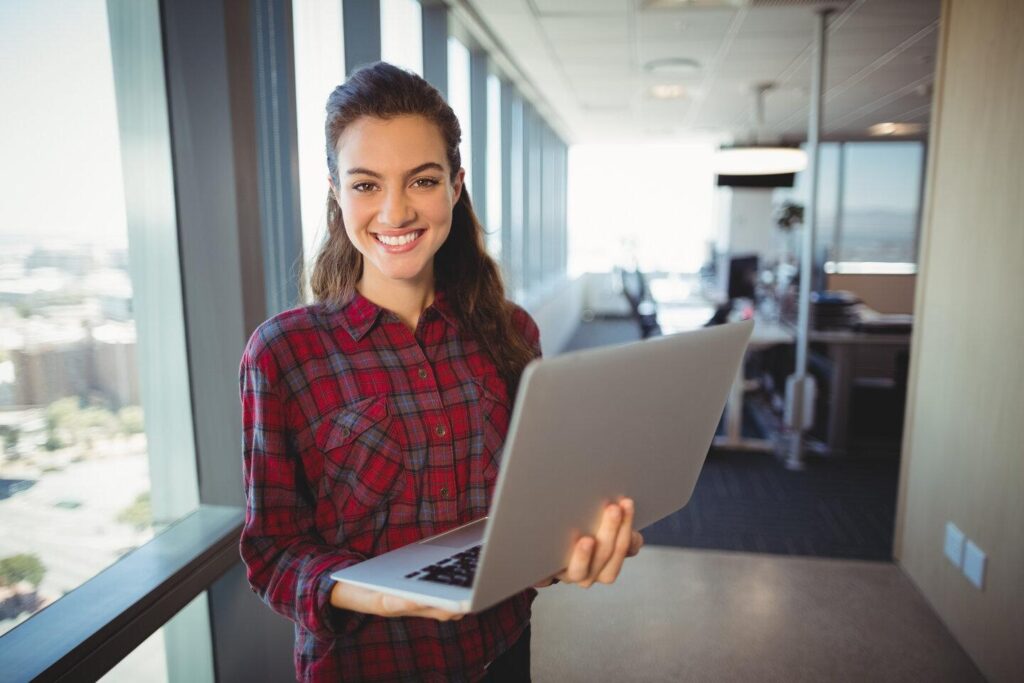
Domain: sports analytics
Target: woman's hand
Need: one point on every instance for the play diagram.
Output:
(358, 599)
(599, 558)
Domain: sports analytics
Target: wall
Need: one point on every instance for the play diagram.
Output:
(964, 443)
(884, 293)
(747, 221)
(557, 310)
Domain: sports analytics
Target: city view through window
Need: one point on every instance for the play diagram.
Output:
(74, 475)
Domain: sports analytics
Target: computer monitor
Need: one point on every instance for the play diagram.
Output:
(742, 276)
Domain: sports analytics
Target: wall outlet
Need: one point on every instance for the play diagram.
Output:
(954, 546)
(974, 565)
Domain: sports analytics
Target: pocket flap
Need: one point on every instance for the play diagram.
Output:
(351, 421)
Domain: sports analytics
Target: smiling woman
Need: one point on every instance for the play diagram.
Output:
(376, 416)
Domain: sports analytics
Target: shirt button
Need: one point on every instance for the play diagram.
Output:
(444, 491)
(440, 430)
(422, 373)
(345, 431)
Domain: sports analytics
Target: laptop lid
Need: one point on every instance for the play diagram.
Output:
(588, 427)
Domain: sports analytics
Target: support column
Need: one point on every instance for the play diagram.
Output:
(800, 387)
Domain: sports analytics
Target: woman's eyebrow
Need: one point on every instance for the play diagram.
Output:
(430, 165)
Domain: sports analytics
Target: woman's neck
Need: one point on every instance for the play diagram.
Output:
(407, 300)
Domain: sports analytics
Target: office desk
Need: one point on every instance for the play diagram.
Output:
(843, 347)
(765, 334)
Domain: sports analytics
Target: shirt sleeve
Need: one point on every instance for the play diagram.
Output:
(527, 327)
(288, 563)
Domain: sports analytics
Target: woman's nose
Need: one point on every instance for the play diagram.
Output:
(395, 210)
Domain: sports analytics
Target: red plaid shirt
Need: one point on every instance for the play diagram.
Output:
(360, 437)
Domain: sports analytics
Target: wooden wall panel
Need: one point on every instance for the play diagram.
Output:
(964, 445)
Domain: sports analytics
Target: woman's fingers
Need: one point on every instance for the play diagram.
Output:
(611, 570)
(605, 545)
(636, 542)
(579, 563)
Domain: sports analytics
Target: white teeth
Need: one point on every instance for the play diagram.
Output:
(399, 240)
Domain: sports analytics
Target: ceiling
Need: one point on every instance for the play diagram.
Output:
(585, 62)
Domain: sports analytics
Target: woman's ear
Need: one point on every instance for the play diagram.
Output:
(334, 190)
(460, 178)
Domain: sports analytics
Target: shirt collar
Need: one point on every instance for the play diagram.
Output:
(360, 314)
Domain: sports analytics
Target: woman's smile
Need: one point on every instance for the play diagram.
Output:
(398, 242)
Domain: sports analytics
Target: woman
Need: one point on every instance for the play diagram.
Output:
(376, 416)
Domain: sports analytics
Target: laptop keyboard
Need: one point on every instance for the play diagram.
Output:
(456, 570)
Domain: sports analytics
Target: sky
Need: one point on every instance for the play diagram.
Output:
(60, 171)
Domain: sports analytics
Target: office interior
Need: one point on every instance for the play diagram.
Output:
(164, 192)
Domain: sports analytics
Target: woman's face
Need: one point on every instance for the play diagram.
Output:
(396, 197)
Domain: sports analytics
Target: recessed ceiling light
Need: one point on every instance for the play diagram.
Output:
(667, 91)
(895, 129)
(672, 65)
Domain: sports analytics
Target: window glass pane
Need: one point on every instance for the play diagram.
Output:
(458, 98)
(494, 198)
(91, 326)
(881, 199)
(319, 68)
(828, 202)
(401, 34)
(169, 654)
(649, 205)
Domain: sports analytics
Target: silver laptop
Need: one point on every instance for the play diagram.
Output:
(587, 427)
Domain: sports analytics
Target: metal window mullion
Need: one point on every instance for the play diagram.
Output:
(277, 145)
(837, 231)
(435, 44)
(361, 27)
(478, 116)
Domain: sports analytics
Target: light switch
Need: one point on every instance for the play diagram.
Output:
(974, 565)
(954, 547)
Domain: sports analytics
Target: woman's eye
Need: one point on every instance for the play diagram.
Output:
(363, 187)
(425, 182)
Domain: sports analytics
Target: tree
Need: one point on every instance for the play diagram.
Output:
(139, 514)
(10, 435)
(130, 418)
(23, 567)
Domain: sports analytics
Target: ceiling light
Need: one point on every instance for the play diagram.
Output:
(895, 129)
(672, 65)
(667, 91)
(759, 157)
(759, 160)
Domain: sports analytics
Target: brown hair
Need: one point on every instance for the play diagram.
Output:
(462, 267)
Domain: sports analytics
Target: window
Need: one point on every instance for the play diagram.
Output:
(156, 660)
(97, 446)
(401, 34)
(458, 98)
(868, 205)
(319, 68)
(881, 202)
(494, 197)
(829, 164)
(649, 205)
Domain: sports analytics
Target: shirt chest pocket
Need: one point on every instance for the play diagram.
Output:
(491, 413)
(362, 468)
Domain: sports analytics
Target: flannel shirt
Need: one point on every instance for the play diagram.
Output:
(359, 437)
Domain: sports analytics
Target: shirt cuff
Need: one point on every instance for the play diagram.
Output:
(327, 621)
